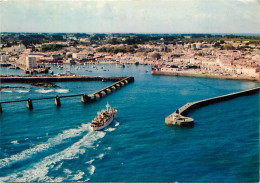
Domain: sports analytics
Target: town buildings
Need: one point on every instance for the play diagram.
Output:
(205, 56)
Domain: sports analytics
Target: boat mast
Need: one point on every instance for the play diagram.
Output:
(107, 106)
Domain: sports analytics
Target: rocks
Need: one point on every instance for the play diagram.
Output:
(45, 84)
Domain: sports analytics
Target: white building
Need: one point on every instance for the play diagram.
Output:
(4, 58)
(81, 55)
(30, 62)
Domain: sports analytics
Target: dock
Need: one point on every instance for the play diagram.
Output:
(85, 98)
(178, 118)
(34, 79)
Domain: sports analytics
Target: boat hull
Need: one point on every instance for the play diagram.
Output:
(102, 127)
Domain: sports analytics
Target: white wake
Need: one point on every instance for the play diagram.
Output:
(40, 170)
(44, 146)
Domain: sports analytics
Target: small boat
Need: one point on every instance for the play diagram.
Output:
(104, 118)
(50, 71)
(14, 67)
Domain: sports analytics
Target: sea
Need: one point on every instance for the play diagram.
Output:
(55, 144)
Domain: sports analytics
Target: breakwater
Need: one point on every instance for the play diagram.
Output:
(34, 79)
(85, 98)
(178, 117)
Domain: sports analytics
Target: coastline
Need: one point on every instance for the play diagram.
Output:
(242, 78)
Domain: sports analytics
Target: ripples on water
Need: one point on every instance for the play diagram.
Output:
(55, 144)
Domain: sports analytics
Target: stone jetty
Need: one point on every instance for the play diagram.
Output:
(33, 79)
(179, 118)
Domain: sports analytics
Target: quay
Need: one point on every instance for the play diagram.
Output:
(179, 118)
(84, 97)
(34, 79)
(200, 75)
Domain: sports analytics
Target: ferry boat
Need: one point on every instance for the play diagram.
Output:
(104, 118)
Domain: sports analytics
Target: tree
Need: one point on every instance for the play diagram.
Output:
(156, 56)
(222, 41)
(217, 44)
(229, 47)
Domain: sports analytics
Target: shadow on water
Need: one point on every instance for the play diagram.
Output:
(178, 129)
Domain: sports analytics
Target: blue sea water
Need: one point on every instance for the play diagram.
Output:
(55, 144)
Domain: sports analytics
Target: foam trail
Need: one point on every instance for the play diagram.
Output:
(92, 169)
(40, 170)
(67, 171)
(78, 176)
(62, 90)
(87, 180)
(117, 124)
(90, 161)
(58, 179)
(100, 156)
(43, 91)
(58, 166)
(110, 129)
(15, 142)
(7, 91)
(44, 146)
(22, 91)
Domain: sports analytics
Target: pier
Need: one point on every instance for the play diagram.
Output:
(84, 97)
(34, 79)
(179, 118)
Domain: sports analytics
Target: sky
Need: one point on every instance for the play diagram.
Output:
(131, 16)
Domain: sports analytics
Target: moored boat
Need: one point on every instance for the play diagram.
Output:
(104, 118)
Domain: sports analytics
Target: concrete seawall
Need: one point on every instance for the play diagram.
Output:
(31, 79)
(178, 118)
(205, 76)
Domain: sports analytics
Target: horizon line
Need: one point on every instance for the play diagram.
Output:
(250, 34)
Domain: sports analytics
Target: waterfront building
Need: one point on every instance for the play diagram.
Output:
(30, 62)
(80, 55)
(4, 58)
